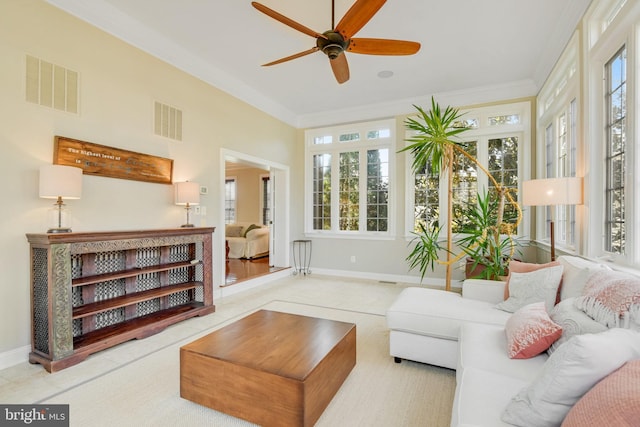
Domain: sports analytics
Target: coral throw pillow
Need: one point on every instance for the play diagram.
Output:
(530, 331)
(614, 401)
(525, 267)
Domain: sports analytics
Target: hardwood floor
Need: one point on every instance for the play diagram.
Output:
(239, 270)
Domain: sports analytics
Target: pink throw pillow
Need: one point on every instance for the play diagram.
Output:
(530, 331)
(614, 291)
(526, 267)
(614, 401)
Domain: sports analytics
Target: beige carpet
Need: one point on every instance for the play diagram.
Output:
(378, 392)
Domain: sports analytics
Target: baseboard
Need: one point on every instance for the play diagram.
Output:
(395, 278)
(13, 357)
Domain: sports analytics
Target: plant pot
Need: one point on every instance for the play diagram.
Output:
(477, 272)
(471, 272)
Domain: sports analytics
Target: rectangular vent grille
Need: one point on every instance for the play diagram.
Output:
(167, 121)
(51, 85)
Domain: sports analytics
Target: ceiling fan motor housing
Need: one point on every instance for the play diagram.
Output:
(333, 45)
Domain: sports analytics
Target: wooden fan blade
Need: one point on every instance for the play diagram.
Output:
(383, 47)
(289, 58)
(286, 21)
(357, 17)
(340, 68)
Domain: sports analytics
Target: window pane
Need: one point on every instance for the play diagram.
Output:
(327, 139)
(377, 134)
(377, 189)
(615, 99)
(426, 199)
(467, 123)
(503, 166)
(349, 137)
(322, 192)
(511, 119)
(229, 201)
(349, 191)
(465, 185)
(266, 201)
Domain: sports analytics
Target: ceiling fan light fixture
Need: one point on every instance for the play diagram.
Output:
(333, 50)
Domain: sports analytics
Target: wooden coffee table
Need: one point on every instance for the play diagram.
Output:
(269, 368)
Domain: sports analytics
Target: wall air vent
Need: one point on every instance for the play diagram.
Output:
(167, 121)
(51, 85)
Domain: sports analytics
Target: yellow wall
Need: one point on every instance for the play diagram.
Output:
(248, 189)
(118, 85)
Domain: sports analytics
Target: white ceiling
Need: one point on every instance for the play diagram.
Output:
(472, 50)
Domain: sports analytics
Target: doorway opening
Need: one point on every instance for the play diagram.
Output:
(254, 192)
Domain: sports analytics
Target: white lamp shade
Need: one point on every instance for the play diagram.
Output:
(60, 181)
(552, 191)
(187, 192)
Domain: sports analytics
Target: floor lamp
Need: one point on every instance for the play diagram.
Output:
(552, 192)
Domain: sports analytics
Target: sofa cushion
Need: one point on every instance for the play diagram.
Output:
(572, 370)
(614, 401)
(536, 286)
(608, 296)
(573, 322)
(484, 347)
(480, 396)
(524, 267)
(438, 313)
(530, 331)
(575, 274)
(233, 230)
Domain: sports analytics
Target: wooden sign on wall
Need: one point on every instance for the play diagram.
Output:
(111, 162)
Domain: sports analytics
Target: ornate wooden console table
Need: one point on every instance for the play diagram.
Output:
(91, 291)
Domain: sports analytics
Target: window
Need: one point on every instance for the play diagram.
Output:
(229, 200)
(560, 141)
(615, 140)
(557, 146)
(495, 139)
(348, 179)
(266, 199)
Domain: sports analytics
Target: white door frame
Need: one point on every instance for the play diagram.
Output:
(280, 217)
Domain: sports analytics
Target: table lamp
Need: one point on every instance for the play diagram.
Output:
(187, 194)
(60, 182)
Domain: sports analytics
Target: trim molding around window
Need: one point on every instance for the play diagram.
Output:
(349, 188)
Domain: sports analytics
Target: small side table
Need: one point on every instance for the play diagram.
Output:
(301, 262)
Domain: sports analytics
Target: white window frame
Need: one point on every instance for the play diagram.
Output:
(335, 148)
(555, 100)
(609, 27)
(482, 134)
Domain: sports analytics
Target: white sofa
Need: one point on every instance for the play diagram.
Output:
(247, 240)
(466, 332)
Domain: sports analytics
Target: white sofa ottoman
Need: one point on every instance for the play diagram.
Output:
(424, 323)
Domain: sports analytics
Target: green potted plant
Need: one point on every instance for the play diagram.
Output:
(435, 145)
(489, 245)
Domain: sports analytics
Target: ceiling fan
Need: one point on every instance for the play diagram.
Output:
(339, 39)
